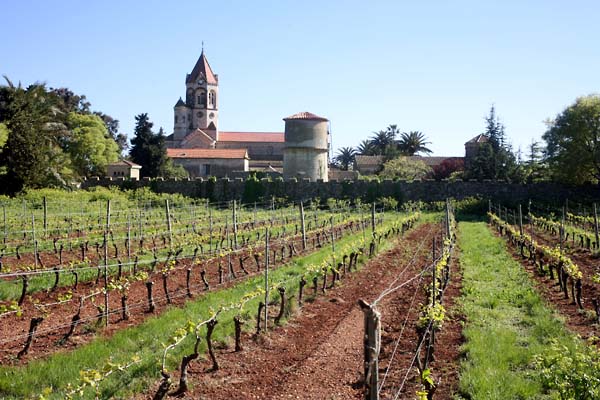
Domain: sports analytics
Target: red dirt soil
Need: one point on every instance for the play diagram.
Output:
(318, 354)
(14, 330)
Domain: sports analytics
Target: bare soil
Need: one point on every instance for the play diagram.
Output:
(318, 353)
(57, 317)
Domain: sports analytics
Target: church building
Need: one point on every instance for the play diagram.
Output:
(196, 126)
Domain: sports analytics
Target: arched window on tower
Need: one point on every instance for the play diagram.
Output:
(212, 99)
(189, 97)
(201, 97)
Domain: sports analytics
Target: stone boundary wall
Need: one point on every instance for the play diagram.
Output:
(225, 189)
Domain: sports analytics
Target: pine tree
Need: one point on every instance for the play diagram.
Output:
(147, 148)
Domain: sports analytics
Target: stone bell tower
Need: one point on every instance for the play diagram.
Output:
(200, 108)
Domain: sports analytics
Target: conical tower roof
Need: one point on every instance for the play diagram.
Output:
(202, 70)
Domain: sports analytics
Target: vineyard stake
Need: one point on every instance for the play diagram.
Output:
(106, 262)
(448, 233)
(373, 218)
(235, 230)
(520, 220)
(303, 226)
(45, 203)
(266, 278)
(5, 227)
(35, 256)
(332, 241)
(169, 223)
(433, 294)
(561, 230)
(128, 240)
(371, 345)
(596, 227)
(210, 228)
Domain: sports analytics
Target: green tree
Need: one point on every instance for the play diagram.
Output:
(405, 168)
(366, 148)
(170, 170)
(3, 135)
(573, 142)
(382, 141)
(90, 145)
(30, 151)
(495, 159)
(112, 125)
(412, 143)
(345, 157)
(148, 148)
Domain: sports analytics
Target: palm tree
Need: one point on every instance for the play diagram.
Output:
(382, 140)
(345, 157)
(412, 143)
(365, 148)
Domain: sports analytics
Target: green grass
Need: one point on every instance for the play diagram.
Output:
(507, 321)
(146, 340)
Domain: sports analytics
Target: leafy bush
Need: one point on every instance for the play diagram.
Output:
(388, 203)
(571, 373)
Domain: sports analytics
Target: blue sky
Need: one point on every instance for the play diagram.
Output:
(432, 66)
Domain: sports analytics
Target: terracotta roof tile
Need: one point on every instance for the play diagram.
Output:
(368, 160)
(207, 153)
(202, 70)
(481, 138)
(305, 115)
(126, 162)
(272, 137)
(198, 133)
(431, 161)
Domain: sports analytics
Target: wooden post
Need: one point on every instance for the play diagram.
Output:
(596, 227)
(303, 226)
(45, 203)
(5, 227)
(373, 218)
(520, 220)
(227, 231)
(332, 242)
(372, 324)
(561, 230)
(266, 278)
(168, 211)
(128, 240)
(235, 231)
(210, 228)
(448, 231)
(433, 294)
(362, 224)
(35, 256)
(106, 262)
(489, 206)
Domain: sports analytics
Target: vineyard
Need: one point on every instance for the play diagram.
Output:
(136, 295)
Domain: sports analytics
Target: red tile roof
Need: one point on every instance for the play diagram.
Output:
(481, 138)
(207, 153)
(202, 70)
(272, 137)
(305, 115)
(200, 134)
(126, 162)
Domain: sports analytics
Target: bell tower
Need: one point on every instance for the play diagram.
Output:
(202, 94)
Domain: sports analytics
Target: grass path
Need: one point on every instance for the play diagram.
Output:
(507, 321)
